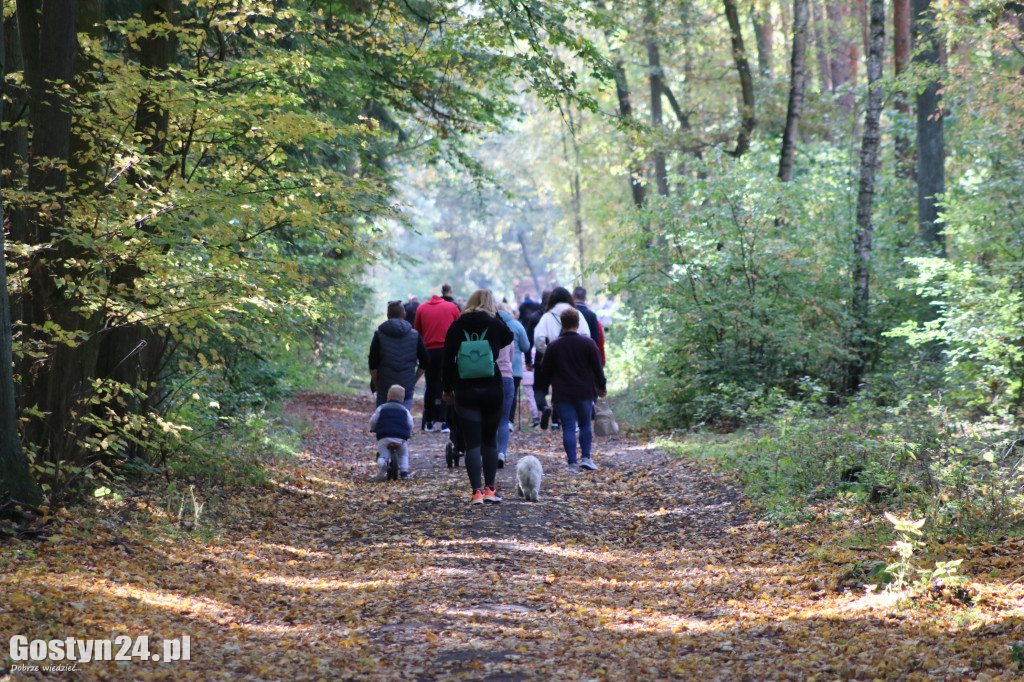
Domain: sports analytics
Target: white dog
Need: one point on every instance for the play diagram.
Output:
(529, 473)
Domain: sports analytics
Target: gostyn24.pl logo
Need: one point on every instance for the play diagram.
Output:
(26, 653)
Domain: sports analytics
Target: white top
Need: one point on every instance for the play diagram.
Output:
(550, 326)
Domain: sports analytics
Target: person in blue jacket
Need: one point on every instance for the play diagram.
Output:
(392, 422)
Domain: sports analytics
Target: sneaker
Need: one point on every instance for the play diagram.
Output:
(588, 463)
(490, 496)
(573, 468)
(428, 426)
(404, 475)
(478, 497)
(545, 417)
(444, 428)
(382, 470)
(501, 460)
(510, 427)
(535, 423)
(556, 426)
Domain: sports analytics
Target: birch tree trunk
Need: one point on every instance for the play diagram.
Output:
(862, 242)
(796, 90)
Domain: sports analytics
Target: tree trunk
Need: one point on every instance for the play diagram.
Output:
(862, 242)
(763, 35)
(841, 56)
(16, 479)
(901, 62)
(622, 93)
(131, 354)
(739, 55)
(820, 45)
(931, 149)
(656, 78)
(574, 160)
(796, 90)
(49, 44)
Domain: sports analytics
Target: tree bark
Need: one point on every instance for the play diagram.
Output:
(817, 18)
(901, 24)
(931, 148)
(16, 479)
(796, 90)
(739, 55)
(656, 79)
(862, 242)
(763, 36)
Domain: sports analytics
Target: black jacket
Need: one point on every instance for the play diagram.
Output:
(394, 352)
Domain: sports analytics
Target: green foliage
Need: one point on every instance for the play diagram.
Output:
(738, 289)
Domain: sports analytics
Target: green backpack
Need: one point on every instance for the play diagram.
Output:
(475, 360)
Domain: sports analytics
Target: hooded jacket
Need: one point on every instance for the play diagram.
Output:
(394, 352)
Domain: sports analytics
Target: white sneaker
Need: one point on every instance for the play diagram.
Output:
(501, 460)
(587, 463)
(382, 470)
(510, 427)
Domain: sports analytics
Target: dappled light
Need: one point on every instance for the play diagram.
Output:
(335, 572)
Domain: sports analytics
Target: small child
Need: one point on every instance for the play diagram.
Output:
(392, 423)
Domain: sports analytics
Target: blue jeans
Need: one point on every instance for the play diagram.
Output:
(509, 388)
(571, 413)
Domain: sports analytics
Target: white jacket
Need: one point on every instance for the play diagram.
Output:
(550, 326)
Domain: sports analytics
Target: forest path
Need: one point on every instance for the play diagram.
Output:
(645, 569)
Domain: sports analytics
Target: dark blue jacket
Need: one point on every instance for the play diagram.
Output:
(395, 350)
(393, 421)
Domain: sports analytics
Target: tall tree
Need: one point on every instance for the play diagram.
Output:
(931, 147)
(739, 55)
(863, 236)
(656, 77)
(797, 82)
(16, 480)
(901, 39)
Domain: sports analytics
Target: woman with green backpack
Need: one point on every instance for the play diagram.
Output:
(471, 381)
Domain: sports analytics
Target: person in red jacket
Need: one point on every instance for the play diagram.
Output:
(432, 321)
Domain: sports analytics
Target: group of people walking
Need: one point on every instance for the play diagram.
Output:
(474, 360)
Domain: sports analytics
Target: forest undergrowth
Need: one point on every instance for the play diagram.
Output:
(648, 568)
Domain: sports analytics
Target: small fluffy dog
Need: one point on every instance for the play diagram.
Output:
(529, 473)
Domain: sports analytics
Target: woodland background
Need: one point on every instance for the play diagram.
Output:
(808, 212)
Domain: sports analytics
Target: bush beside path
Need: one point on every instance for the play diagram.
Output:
(646, 569)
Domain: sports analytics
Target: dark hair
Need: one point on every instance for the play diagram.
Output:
(396, 310)
(559, 295)
(570, 318)
(446, 289)
(579, 293)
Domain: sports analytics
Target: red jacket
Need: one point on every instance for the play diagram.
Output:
(433, 319)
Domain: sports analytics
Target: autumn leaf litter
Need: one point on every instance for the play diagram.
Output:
(646, 569)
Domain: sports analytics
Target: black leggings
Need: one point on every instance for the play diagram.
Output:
(433, 408)
(479, 409)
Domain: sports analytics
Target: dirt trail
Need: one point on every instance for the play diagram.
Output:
(643, 570)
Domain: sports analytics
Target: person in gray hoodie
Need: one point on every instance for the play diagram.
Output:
(397, 356)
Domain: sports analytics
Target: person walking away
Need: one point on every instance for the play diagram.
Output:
(432, 321)
(579, 297)
(508, 392)
(520, 348)
(395, 350)
(573, 365)
(446, 294)
(478, 396)
(392, 422)
(548, 328)
(410, 308)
